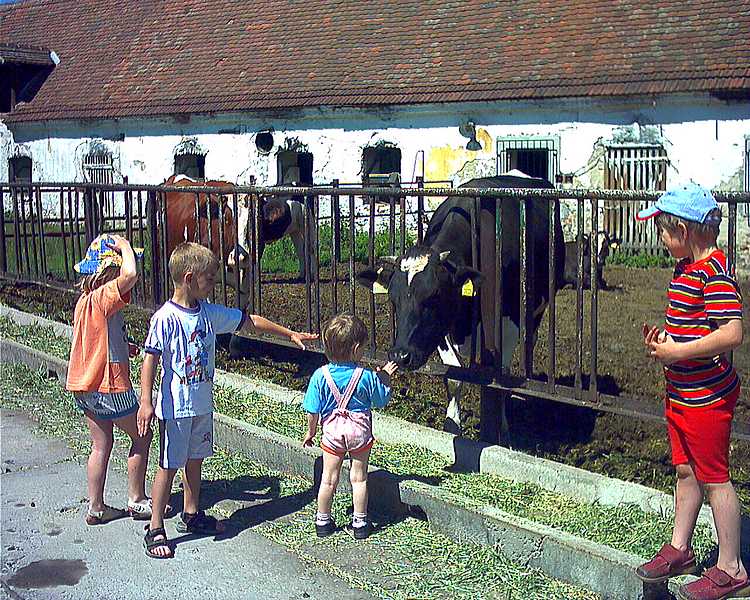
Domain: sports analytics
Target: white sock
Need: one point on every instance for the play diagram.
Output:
(359, 519)
(322, 518)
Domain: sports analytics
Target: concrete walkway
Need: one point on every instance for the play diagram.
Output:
(49, 552)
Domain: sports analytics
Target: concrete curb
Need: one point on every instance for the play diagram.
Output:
(601, 569)
(579, 484)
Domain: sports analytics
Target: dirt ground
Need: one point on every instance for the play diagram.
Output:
(617, 446)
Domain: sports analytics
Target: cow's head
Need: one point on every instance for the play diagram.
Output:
(425, 288)
(274, 222)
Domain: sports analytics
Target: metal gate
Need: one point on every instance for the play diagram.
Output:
(633, 167)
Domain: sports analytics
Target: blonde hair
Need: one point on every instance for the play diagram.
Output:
(89, 283)
(706, 232)
(190, 257)
(341, 335)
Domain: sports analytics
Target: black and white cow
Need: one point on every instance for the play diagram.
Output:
(604, 246)
(281, 216)
(427, 285)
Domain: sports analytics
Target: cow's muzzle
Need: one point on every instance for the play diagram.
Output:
(403, 358)
(237, 256)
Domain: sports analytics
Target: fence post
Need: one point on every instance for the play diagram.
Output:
(3, 259)
(336, 229)
(156, 284)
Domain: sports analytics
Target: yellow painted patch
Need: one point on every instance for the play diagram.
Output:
(377, 288)
(443, 162)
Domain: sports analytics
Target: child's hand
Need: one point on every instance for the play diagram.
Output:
(145, 417)
(307, 441)
(664, 349)
(390, 368)
(298, 338)
(649, 333)
(120, 243)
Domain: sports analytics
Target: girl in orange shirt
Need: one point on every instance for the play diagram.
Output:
(99, 375)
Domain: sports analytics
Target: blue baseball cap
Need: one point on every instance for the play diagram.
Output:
(690, 201)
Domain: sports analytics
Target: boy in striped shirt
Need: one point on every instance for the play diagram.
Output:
(703, 324)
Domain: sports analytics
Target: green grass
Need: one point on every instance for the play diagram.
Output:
(280, 256)
(641, 260)
(624, 527)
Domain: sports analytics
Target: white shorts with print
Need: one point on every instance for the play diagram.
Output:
(183, 439)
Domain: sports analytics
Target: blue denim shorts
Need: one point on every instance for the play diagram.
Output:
(107, 406)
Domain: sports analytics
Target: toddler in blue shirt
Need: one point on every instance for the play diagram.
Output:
(340, 395)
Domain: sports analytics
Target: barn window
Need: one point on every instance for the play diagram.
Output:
(294, 168)
(192, 165)
(534, 156)
(98, 167)
(19, 169)
(381, 164)
(190, 159)
(264, 141)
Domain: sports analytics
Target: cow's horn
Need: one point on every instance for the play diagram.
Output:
(444, 255)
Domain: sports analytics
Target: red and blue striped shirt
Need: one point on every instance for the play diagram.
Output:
(702, 296)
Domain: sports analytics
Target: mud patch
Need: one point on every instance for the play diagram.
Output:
(48, 574)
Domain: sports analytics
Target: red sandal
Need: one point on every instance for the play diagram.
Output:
(668, 562)
(715, 584)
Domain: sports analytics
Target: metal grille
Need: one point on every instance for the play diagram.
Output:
(536, 157)
(637, 167)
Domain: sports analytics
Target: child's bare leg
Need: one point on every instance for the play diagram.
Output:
(688, 502)
(329, 481)
(191, 485)
(726, 509)
(358, 478)
(137, 457)
(160, 492)
(101, 448)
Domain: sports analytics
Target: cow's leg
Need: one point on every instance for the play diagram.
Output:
(298, 239)
(452, 423)
(449, 355)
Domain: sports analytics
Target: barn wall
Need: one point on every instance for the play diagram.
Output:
(704, 139)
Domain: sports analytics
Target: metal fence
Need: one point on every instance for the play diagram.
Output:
(45, 229)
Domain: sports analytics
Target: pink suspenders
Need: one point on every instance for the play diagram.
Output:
(342, 400)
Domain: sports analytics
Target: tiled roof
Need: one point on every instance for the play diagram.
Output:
(166, 57)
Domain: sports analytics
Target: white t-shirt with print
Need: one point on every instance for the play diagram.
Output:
(185, 338)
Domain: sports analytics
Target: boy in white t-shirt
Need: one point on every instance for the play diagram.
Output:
(183, 335)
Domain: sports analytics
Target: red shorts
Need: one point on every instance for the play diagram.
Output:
(700, 437)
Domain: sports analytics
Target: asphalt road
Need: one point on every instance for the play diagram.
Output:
(48, 551)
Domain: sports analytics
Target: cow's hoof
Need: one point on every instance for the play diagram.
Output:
(450, 426)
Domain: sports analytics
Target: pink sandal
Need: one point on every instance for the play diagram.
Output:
(715, 584)
(668, 562)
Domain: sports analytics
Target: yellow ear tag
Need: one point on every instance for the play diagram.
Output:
(468, 289)
(377, 288)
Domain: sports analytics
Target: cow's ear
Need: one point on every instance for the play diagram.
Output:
(468, 280)
(376, 281)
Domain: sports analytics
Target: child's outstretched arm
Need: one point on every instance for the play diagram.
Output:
(312, 427)
(257, 323)
(128, 272)
(385, 372)
(146, 408)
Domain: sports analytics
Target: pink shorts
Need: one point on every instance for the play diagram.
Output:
(700, 437)
(345, 431)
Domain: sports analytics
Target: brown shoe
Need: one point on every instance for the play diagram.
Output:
(668, 562)
(104, 516)
(715, 584)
